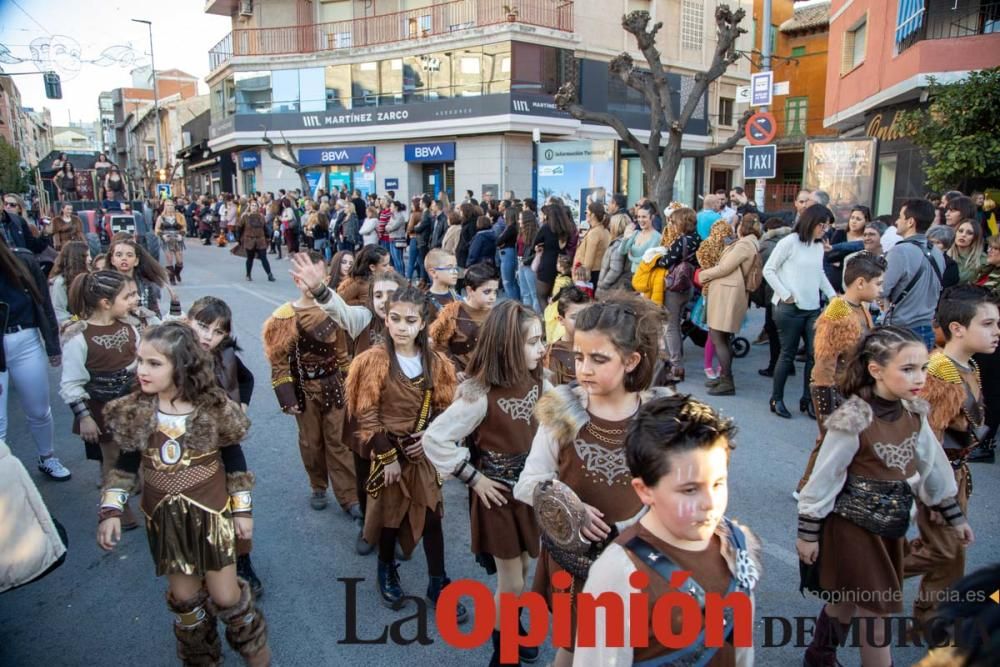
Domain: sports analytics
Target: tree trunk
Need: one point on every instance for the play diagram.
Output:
(306, 188)
(662, 187)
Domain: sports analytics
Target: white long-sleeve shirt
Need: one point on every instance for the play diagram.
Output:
(795, 269)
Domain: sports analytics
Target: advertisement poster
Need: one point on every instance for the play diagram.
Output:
(579, 172)
(845, 169)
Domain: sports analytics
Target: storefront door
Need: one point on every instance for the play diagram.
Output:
(438, 177)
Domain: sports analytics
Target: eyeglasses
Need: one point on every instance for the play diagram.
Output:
(10, 204)
(446, 268)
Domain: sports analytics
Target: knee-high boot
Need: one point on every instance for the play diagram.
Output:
(172, 274)
(827, 637)
(197, 635)
(246, 629)
(177, 271)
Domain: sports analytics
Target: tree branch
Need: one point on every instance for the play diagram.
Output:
(566, 100)
(273, 153)
(728, 29)
(733, 139)
(636, 24)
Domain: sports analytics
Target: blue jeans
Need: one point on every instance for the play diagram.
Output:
(396, 255)
(926, 332)
(508, 271)
(526, 282)
(415, 262)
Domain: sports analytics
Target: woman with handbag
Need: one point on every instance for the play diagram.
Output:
(730, 284)
(680, 261)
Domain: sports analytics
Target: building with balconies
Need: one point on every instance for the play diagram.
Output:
(430, 96)
(881, 57)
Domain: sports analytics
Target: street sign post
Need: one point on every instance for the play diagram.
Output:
(761, 128)
(759, 162)
(743, 92)
(761, 88)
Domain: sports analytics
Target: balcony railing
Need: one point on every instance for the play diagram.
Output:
(433, 20)
(939, 21)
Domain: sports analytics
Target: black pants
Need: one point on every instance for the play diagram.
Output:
(793, 323)
(773, 342)
(262, 255)
(432, 540)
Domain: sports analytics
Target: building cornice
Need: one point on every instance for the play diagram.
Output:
(904, 90)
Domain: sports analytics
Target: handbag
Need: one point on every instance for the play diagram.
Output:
(681, 277)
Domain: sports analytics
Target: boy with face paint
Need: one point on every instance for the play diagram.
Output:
(677, 450)
(309, 359)
(456, 329)
(968, 317)
(365, 327)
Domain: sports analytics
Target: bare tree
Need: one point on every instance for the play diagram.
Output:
(289, 161)
(653, 84)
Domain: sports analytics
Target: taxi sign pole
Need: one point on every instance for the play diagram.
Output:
(765, 65)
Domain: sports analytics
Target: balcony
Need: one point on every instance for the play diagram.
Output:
(937, 20)
(433, 20)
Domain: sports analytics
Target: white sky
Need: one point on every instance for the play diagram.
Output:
(182, 36)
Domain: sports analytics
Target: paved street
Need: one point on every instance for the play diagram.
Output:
(108, 609)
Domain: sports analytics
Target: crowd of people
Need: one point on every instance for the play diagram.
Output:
(537, 359)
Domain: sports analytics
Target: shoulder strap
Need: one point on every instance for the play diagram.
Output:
(928, 255)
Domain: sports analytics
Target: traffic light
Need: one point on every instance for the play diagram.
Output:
(163, 175)
(53, 86)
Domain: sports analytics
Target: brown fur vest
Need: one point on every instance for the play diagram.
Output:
(563, 409)
(445, 325)
(855, 415)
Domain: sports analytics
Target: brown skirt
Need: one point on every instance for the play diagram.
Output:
(404, 505)
(350, 435)
(858, 566)
(185, 538)
(506, 531)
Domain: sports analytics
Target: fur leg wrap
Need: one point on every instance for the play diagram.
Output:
(246, 629)
(195, 628)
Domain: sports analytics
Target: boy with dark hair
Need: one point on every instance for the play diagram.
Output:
(677, 450)
(456, 329)
(968, 318)
(559, 357)
(839, 329)
(309, 359)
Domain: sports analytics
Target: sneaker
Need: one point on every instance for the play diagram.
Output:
(711, 374)
(54, 469)
(318, 500)
(360, 545)
(795, 494)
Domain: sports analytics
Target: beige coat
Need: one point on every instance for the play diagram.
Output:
(592, 248)
(30, 543)
(726, 297)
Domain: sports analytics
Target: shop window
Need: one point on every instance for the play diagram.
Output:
(312, 89)
(338, 87)
(391, 83)
(855, 43)
(795, 115)
(886, 184)
(252, 92)
(692, 24)
(496, 68)
(726, 110)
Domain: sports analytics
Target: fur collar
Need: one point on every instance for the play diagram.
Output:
(563, 409)
(778, 233)
(216, 422)
(855, 415)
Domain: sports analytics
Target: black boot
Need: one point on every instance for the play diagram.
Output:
(171, 275)
(177, 271)
(270, 278)
(245, 571)
(822, 651)
(527, 654)
(388, 585)
(495, 658)
(434, 588)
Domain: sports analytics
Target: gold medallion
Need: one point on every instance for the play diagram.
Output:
(170, 452)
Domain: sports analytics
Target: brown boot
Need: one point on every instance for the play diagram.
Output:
(197, 635)
(177, 271)
(246, 629)
(828, 635)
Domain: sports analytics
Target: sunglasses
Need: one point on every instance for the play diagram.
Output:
(10, 204)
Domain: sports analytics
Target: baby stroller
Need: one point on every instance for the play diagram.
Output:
(694, 331)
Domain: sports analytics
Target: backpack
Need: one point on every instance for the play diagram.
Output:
(754, 276)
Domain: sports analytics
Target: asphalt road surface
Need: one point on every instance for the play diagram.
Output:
(108, 608)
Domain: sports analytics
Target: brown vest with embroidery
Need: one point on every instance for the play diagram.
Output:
(110, 347)
(596, 470)
(172, 468)
(562, 362)
(463, 341)
(887, 449)
(510, 425)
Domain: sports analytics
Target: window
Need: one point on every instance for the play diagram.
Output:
(798, 51)
(773, 36)
(692, 24)
(855, 42)
(253, 92)
(364, 84)
(391, 85)
(312, 89)
(284, 90)
(726, 110)
(338, 87)
(150, 152)
(795, 115)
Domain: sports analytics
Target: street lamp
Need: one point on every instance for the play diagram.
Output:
(156, 97)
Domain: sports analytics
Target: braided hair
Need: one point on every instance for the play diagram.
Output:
(880, 345)
(88, 290)
(418, 298)
(632, 324)
(672, 425)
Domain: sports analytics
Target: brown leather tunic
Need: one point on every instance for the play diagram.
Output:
(253, 232)
(317, 359)
(559, 359)
(110, 348)
(463, 341)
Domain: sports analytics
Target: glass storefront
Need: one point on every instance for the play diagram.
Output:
(630, 180)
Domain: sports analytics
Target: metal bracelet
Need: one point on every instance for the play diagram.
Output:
(114, 499)
(241, 501)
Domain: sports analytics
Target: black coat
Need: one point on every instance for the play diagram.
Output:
(45, 315)
(424, 229)
(440, 227)
(18, 234)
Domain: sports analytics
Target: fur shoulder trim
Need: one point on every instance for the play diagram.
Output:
(470, 391)
(945, 399)
(131, 419)
(918, 406)
(563, 410)
(854, 416)
(71, 329)
(943, 368)
(279, 335)
(445, 381)
(366, 379)
(653, 393)
(283, 312)
(837, 330)
(445, 325)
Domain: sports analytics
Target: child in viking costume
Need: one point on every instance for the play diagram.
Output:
(559, 357)
(309, 357)
(839, 329)
(855, 509)
(494, 409)
(98, 363)
(365, 327)
(678, 453)
(185, 433)
(131, 259)
(456, 328)
(578, 454)
(394, 390)
(967, 316)
(212, 321)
